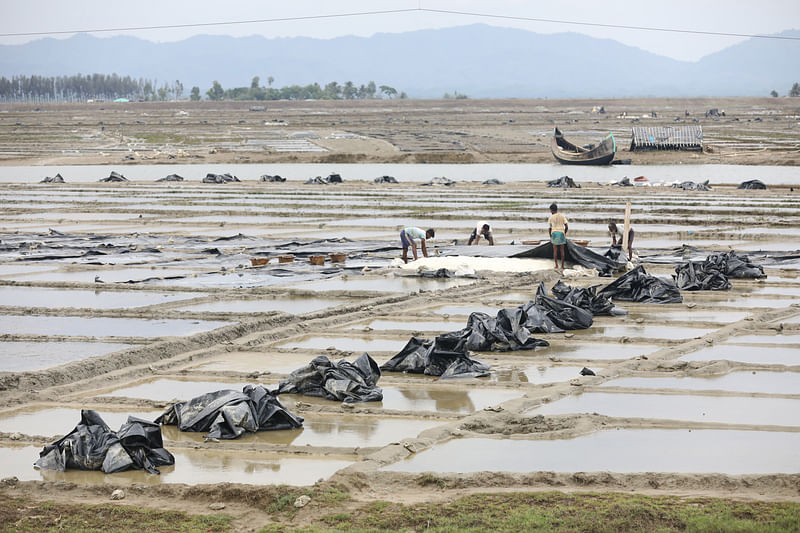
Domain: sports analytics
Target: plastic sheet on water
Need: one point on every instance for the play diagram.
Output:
(341, 381)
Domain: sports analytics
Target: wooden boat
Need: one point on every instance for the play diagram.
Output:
(570, 154)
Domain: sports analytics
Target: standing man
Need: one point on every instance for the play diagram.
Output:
(481, 229)
(558, 234)
(407, 237)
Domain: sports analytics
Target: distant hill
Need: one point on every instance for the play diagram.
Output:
(476, 60)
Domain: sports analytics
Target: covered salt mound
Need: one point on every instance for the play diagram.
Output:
(92, 445)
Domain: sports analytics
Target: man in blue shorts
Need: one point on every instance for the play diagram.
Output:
(407, 237)
(558, 234)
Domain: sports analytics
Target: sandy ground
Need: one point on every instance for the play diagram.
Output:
(754, 131)
(407, 131)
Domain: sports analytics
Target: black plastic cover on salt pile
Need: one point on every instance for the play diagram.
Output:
(639, 286)
(586, 298)
(272, 179)
(692, 186)
(228, 414)
(342, 381)
(220, 178)
(445, 356)
(737, 266)
(93, 446)
(58, 178)
(171, 177)
(581, 255)
(564, 182)
(561, 313)
(385, 179)
(752, 184)
(114, 177)
(691, 276)
(332, 178)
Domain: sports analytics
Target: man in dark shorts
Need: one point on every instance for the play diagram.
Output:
(482, 229)
(407, 236)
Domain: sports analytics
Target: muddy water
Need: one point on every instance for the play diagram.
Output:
(588, 352)
(193, 467)
(694, 315)
(107, 275)
(695, 408)
(765, 339)
(104, 327)
(21, 356)
(276, 363)
(653, 332)
(430, 399)
(400, 284)
(539, 374)
(774, 355)
(97, 299)
(329, 430)
(412, 325)
(752, 301)
(465, 310)
(59, 421)
(166, 389)
(295, 306)
(11, 271)
(740, 381)
(622, 450)
(352, 344)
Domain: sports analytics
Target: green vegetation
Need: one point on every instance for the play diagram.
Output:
(21, 516)
(81, 87)
(556, 512)
(332, 510)
(331, 91)
(795, 90)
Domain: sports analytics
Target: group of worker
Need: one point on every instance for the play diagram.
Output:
(557, 229)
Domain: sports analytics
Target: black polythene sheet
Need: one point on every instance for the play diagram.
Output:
(564, 182)
(752, 184)
(587, 299)
(228, 414)
(561, 313)
(639, 286)
(581, 255)
(92, 445)
(341, 381)
(692, 276)
(445, 356)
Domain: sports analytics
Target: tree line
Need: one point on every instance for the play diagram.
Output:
(314, 91)
(80, 87)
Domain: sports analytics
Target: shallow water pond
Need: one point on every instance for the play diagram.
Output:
(292, 305)
(622, 450)
(192, 467)
(539, 374)
(759, 355)
(695, 408)
(329, 430)
(93, 299)
(22, 356)
(107, 275)
(397, 284)
(412, 325)
(352, 344)
(739, 381)
(652, 332)
(167, 389)
(104, 327)
(50, 421)
(765, 339)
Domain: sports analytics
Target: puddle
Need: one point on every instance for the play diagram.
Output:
(13, 270)
(350, 344)
(521, 297)
(165, 389)
(653, 332)
(333, 430)
(793, 320)
(412, 325)
(295, 306)
(431, 399)
(694, 315)
(749, 301)
(765, 339)
(105, 327)
(539, 374)
(739, 381)
(108, 276)
(58, 421)
(465, 310)
(623, 450)
(94, 299)
(778, 291)
(695, 408)
(191, 467)
(276, 363)
(25, 356)
(598, 351)
(756, 355)
(399, 284)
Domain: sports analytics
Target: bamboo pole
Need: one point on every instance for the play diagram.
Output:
(627, 227)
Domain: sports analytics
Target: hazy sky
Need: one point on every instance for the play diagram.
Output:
(726, 16)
